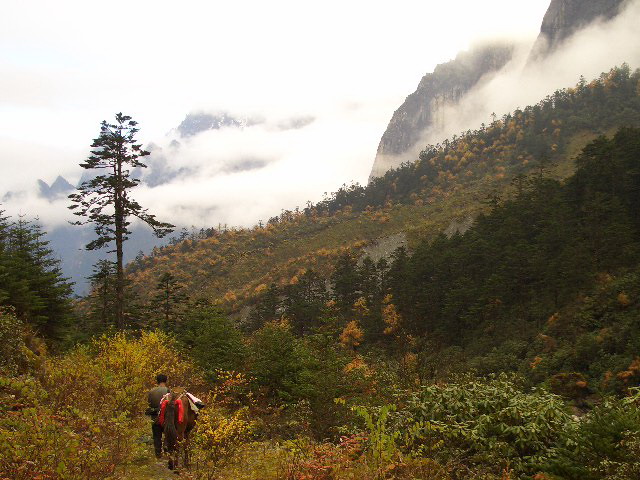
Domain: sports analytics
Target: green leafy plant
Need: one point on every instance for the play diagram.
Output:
(382, 438)
(492, 422)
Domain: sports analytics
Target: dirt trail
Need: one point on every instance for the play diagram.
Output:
(147, 467)
(155, 469)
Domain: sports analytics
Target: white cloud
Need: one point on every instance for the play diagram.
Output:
(65, 66)
(297, 165)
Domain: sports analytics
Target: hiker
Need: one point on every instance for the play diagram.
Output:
(155, 395)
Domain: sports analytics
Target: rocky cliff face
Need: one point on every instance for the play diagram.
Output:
(425, 107)
(449, 82)
(566, 17)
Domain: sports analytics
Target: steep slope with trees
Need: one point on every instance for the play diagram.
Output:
(452, 181)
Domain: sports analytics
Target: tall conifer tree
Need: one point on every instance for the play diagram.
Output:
(105, 201)
(169, 300)
(102, 293)
(4, 276)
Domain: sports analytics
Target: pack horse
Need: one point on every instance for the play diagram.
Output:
(178, 417)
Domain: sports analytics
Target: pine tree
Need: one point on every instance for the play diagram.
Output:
(267, 309)
(213, 340)
(372, 292)
(168, 300)
(369, 280)
(102, 294)
(33, 283)
(304, 302)
(346, 283)
(105, 201)
(4, 232)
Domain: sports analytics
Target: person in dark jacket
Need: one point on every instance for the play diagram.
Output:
(155, 395)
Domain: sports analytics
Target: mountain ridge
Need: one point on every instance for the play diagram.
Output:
(58, 189)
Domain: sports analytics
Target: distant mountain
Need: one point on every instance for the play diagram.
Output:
(160, 170)
(58, 189)
(195, 123)
(449, 82)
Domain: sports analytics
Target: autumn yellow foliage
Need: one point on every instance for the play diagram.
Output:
(536, 361)
(230, 297)
(260, 289)
(219, 435)
(114, 372)
(553, 319)
(631, 372)
(352, 335)
(623, 299)
(357, 364)
(360, 307)
(79, 415)
(390, 316)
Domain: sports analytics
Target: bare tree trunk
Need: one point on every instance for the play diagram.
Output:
(119, 280)
(105, 303)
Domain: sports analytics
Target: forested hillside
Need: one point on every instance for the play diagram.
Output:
(514, 293)
(452, 181)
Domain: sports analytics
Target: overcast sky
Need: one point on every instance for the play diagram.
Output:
(65, 66)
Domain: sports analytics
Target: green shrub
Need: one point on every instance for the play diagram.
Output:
(382, 438)
(492, 422)
(213, 340)
(11, 343)
(604, 444)
(505, 358)
(278, 361)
